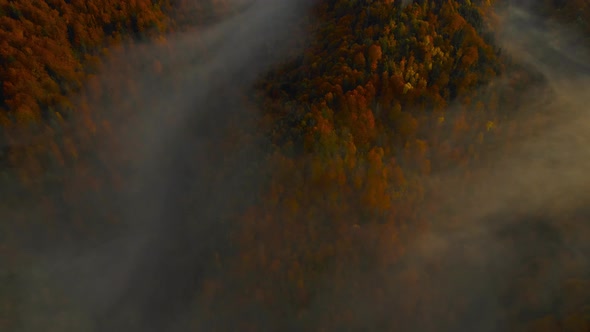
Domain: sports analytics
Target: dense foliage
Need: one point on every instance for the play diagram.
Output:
(356, 127)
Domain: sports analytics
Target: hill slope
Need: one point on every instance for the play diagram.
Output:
(410, 167)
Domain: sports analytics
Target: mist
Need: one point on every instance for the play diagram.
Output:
(519, 226)
(143, 274)
(511, 244)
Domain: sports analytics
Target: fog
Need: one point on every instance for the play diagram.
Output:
(512, 243)
(467, 272)
(143, 273)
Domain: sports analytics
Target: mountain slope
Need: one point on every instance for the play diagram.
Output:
(403, 167)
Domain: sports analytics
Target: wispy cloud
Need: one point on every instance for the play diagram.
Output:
(145, 276)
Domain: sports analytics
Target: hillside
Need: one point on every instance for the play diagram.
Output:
(332, 166)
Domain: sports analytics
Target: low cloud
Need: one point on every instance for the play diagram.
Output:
(144, 275)
(509, 246)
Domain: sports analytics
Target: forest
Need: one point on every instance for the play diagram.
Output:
(325, 165)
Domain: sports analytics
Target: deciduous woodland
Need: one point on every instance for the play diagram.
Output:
(378, 166)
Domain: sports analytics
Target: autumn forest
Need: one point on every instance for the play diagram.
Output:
(313, 165)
